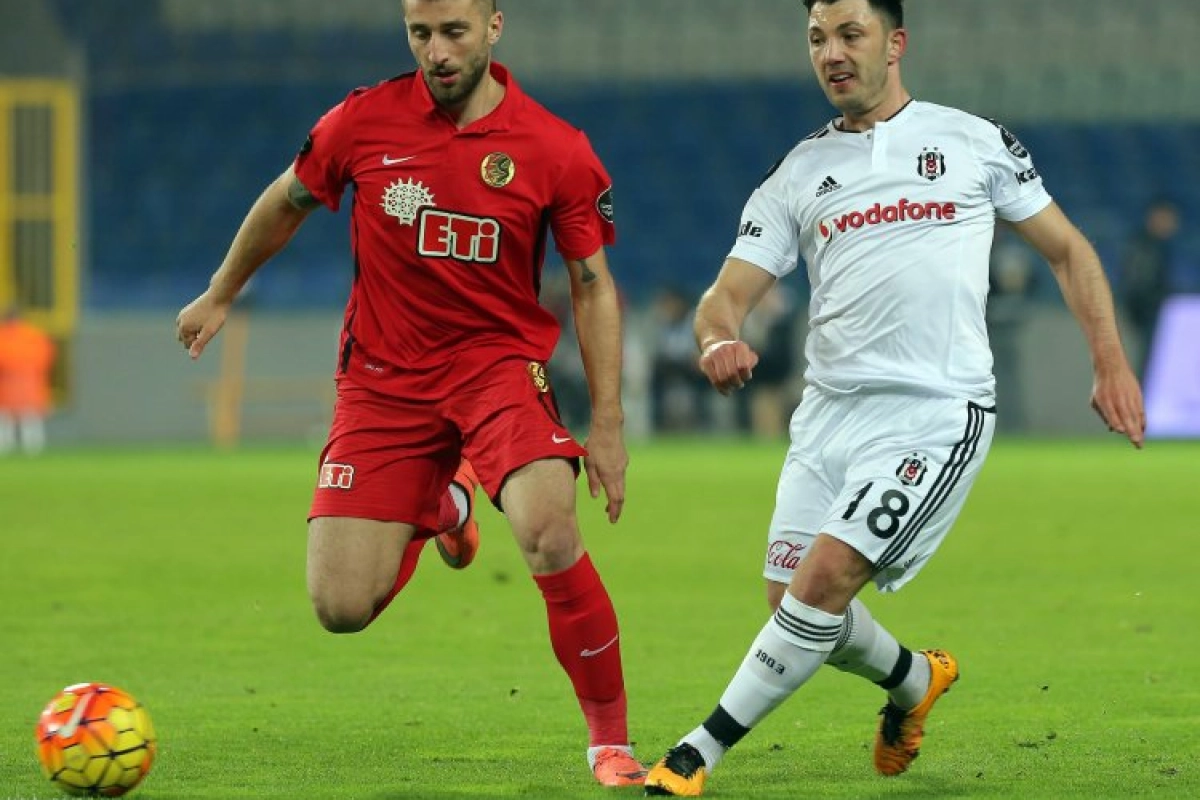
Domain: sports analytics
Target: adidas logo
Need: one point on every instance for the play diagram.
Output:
(828, 185)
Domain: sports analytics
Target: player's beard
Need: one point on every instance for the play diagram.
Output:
(468, 81)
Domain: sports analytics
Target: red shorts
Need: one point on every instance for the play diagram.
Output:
(390, 459)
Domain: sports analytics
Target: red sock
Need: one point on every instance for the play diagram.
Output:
(408, 565)
(585, 637)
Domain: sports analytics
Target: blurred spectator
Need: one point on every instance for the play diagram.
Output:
(1011, 276)
(771, 330)
(1144, 279)
(26, 358)
(678, 390)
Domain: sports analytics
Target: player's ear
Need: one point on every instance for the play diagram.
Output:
(495, 28)
(897, 44)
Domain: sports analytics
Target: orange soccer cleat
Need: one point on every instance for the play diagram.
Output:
(458, 546)
(615, 766)
(898, 741)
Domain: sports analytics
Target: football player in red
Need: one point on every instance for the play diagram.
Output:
(458, 179)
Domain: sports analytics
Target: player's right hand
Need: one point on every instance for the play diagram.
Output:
(728, 364)
(199, 322)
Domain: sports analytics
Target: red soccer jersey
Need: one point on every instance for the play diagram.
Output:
(449, 226)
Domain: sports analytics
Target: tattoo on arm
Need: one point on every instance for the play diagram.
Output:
(300, 197)
(587, 276)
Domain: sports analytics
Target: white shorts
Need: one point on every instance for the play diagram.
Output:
(885, 473)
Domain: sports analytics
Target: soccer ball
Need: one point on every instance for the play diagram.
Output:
(95, 741)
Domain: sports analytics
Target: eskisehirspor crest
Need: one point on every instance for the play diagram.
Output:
(537, 374)
(403, 199)
(931, 164)
(497, 169)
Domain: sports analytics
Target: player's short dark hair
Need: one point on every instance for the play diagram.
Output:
(487, 6)
(891, 10)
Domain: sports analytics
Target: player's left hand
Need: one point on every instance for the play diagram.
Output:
(1117, 398)
(605, 465)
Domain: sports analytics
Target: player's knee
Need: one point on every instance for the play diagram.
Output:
(341, 614)
(551, 544)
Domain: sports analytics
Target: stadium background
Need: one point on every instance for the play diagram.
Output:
(163, 119)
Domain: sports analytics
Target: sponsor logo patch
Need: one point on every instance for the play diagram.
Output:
(750, 228)
(604, 204)
(445, 234)
(1011, 142)
(784, 554)
(903, 210)
(335, 476)
(403, 199)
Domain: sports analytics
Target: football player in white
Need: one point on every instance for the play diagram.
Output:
(892, 206)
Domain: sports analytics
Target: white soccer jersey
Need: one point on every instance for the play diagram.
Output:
(895, 226)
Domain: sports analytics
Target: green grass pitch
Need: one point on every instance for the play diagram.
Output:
(1067, 591)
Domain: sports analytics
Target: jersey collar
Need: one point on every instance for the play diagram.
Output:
(500, 117)
(901, 114)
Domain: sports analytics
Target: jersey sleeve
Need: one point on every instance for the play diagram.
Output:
(1013, 181)
(581, 218)
(767, 236)
(322, 163)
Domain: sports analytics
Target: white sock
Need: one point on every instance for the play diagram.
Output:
(865, 647)
(461, 502)
(791, 647)
(915, 686)
(709, 747)
(868, 649)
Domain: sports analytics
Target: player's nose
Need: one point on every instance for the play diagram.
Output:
(832, 52)
(439, 53)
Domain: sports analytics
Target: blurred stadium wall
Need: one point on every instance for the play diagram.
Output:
(186, 108)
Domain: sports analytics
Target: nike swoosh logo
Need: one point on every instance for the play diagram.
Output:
(387, 162)
(554, 437)
(585, 653)
(68, 730)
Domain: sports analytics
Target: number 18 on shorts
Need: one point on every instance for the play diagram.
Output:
(886, 474)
